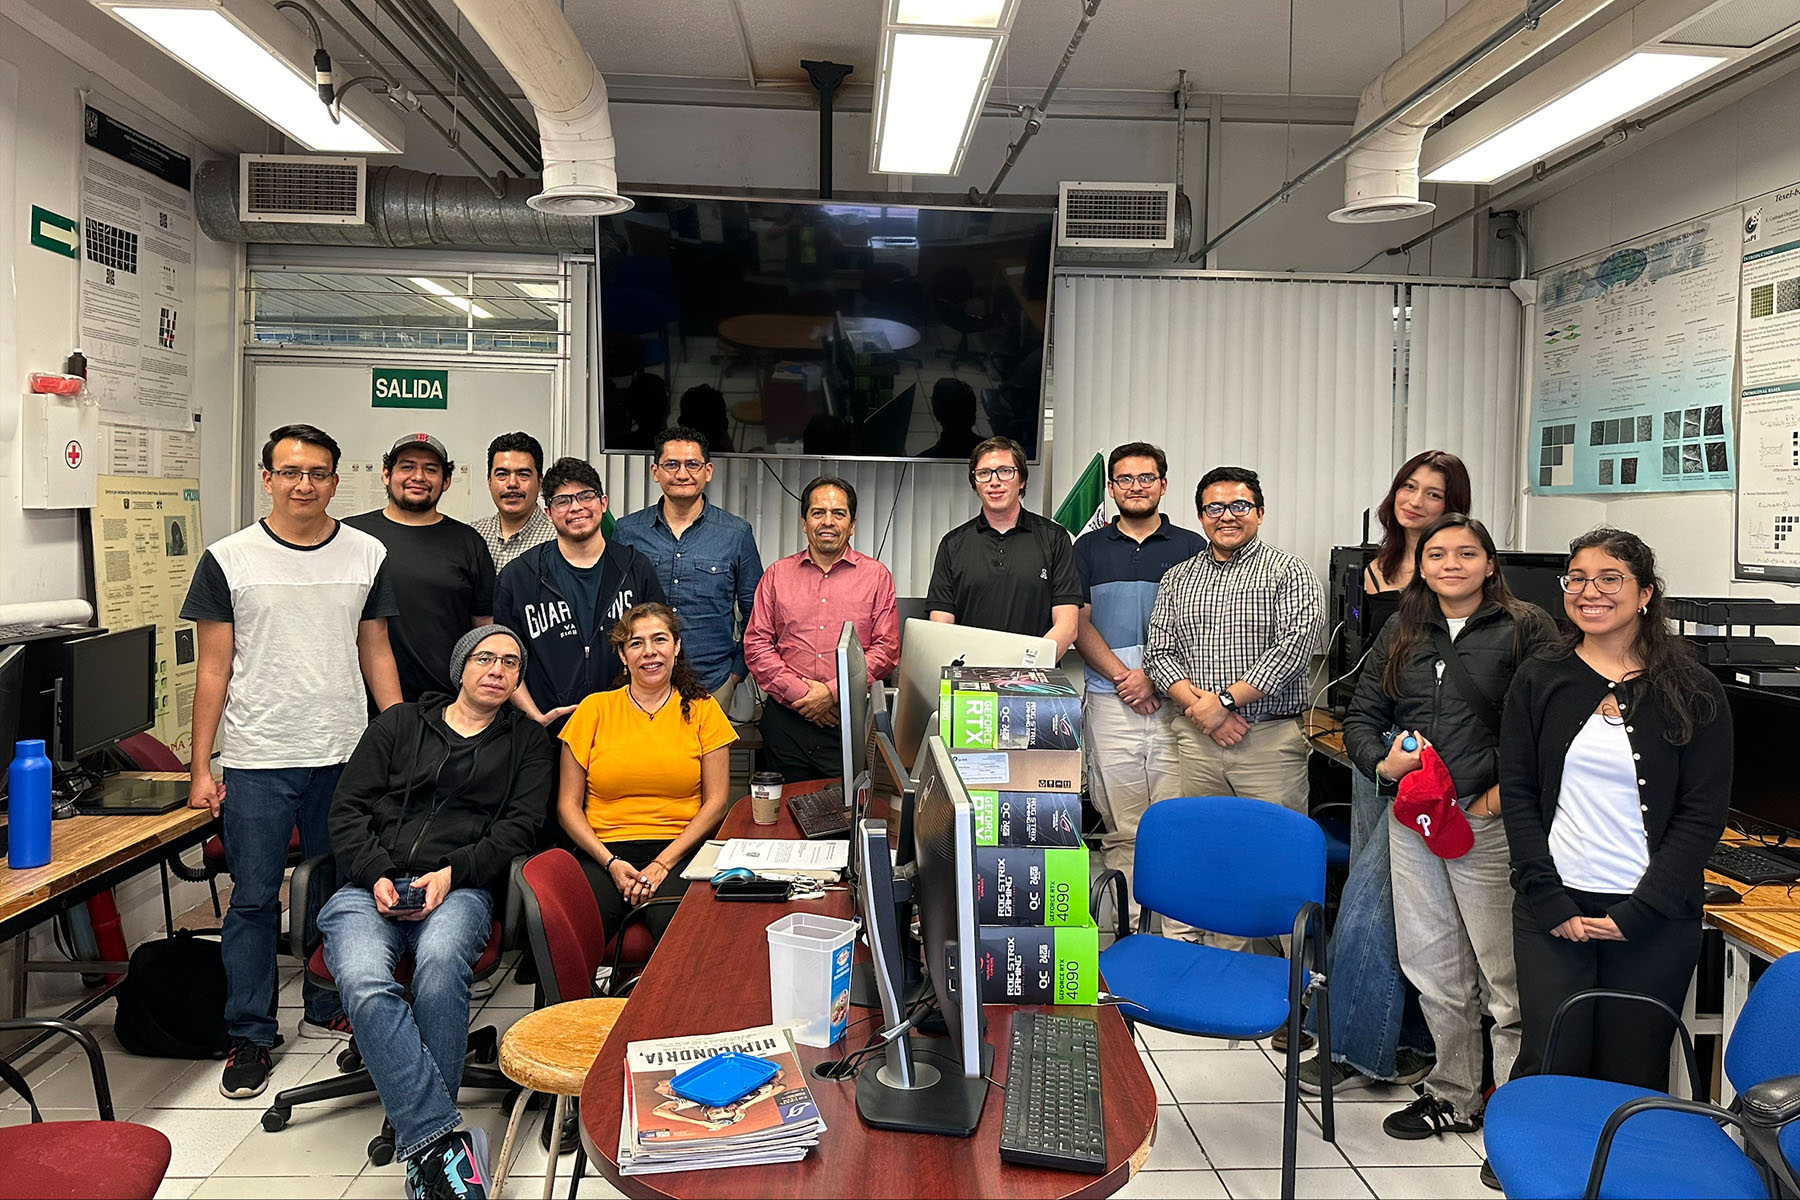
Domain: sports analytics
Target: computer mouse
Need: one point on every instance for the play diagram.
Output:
(1718, 893)
(733, 873)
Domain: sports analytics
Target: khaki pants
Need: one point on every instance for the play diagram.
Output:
(1268, 764)
(1131, 764)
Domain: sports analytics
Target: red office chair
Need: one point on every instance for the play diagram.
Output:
(104, 1158)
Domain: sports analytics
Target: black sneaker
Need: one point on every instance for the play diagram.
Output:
(1488, 1178)
(1411, 1067)
(453, 1168)
(1344, 1078)
(246, 1070)
(337, 1029)
(1427, 1117)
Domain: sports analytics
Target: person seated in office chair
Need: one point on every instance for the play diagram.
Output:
(444, 792)
(645, 771)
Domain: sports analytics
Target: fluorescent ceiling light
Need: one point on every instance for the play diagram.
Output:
(541, 291)
(937, 60)
(968, 14)
(1608, 96)
(275, 82)
(449, 297)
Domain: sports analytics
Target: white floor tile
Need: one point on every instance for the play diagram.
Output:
(202, 1139)
(1395, 1095)
(295, 1187)
(133, 1081)
(197, 1086)
(594, 1186)
(1340, 1184)
(1163, 1095)
(1424, 1183)
(177, 1189)
(1176, 1185)
(319, 1141)
(1238, 1136)
(1225, 1077)
(1360, 1137)
(1475, 1141)
(381, 1187)
(1174, 1148)
(1163, 1039)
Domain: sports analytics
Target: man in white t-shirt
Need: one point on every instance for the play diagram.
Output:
(291, 618)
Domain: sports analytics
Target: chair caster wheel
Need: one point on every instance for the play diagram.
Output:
(381, 1151)
(349, 1059)
(276, 1119)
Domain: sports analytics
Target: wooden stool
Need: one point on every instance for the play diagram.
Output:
(551, 1051)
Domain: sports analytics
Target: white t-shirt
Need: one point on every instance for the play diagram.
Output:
(296, 695)
(1597, 838)
(1456, 625)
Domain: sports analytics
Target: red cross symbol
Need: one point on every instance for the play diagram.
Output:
(72, 455)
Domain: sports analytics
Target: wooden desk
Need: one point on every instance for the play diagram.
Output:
(1325, 731)
(800, 334)
(711, 974)
(1765, 925)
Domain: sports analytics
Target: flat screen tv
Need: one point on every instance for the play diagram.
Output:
(820, 328)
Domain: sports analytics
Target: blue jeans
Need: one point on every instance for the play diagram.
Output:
(414, 1051)
(1374, 1011)
(261, 809)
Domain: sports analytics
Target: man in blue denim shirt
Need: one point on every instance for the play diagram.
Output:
(706, 558)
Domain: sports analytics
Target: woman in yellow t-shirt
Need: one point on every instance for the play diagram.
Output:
(645, 771)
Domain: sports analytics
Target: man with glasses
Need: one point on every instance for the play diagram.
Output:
(1126, 726)
(1007, 568)
(515, 469)
(290, 620)
(437, 801)
(706, 558)
(565, 595)
(1230, 638)
(442, 574)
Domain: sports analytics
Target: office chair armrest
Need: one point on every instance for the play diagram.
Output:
(1121, 900)
(1687, 1039)
(1630, 1109)
(96, 1065)
(189, 874)
(640, 913)
(316, 873)
(1773, 1102)
(512, 920)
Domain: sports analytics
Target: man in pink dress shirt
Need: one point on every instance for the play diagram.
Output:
(790, 643)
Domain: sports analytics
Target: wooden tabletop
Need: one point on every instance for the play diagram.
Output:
(806, 334)
(1325, 730)
(84, 848)
(1771, 932)
(711, 975)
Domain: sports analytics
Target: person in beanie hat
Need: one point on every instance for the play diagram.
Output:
(1438, 675)
(438, 799)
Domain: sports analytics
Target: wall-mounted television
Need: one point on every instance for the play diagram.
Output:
(820, 328)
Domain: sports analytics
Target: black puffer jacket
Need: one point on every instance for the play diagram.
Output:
(1491, 647)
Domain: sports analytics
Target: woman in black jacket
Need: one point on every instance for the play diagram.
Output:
(1439, 672)
(1615, 761)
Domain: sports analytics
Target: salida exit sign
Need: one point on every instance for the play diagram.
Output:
(404, 387)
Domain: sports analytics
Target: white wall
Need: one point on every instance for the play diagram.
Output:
(1739, 152)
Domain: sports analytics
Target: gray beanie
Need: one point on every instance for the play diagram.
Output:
(465, 646)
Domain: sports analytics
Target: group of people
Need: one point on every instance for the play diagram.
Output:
(393, 685)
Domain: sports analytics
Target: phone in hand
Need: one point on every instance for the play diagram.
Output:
(412, 898)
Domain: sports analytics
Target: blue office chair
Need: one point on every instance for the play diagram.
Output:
(1235, 866)
(1559, 1135)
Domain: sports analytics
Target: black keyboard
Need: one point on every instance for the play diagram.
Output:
(1752, 864)
(821, 813)
(1054, 1115)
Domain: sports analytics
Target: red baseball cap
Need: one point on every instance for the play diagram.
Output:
(1427, 806)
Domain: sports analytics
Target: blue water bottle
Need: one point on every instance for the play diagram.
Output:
(28, 807)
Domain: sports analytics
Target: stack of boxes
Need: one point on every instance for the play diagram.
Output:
(1014, 734)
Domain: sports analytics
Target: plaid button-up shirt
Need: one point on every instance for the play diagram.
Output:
(534, 532)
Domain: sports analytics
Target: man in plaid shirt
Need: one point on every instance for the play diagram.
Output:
(1231, 636)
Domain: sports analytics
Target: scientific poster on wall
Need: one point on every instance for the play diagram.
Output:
(147, 543)
(137, 274)
(1635, 351)
(1768, 497)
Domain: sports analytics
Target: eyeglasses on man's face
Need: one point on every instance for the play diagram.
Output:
(1237, 508)
(293, 475)
(1146, 480)
(485, 659)
(1607, 583)
(672, 466)
(1003, 474)
(584, 498)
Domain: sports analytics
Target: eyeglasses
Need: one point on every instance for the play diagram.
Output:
(1003, 474)
(484, 659)
(671, 466)
(585, 499)
(1145, 480)
(1607, 584)
(1236, 508)
(295, 474)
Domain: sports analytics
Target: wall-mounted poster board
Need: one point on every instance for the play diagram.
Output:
(1768, 497)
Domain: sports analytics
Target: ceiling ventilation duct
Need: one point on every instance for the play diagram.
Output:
(534, 42)
(1381, 176)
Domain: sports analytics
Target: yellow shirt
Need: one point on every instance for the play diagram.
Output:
(643, 772)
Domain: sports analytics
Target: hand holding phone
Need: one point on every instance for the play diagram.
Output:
(411, 898)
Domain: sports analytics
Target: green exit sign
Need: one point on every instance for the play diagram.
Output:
(402, 387)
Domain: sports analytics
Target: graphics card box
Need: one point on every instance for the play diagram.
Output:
(1026, 818)
(1036, 964)
(1019, 770)
(1008, 708)
(1031, 885)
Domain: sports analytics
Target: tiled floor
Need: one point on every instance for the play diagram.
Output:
(1218, 1129)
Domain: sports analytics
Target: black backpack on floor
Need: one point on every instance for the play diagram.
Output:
(172, 1000)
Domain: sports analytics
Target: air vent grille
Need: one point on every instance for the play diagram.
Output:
(301, 188)
(1739, 24)
(1130, 216)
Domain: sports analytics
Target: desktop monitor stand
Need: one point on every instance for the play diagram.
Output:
(937, 1101)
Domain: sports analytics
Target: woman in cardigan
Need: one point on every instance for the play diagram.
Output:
(1615, 769)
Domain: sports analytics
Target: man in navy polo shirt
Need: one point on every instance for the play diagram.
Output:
(1126, 725)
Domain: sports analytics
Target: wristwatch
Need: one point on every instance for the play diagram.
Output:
(1227, 702)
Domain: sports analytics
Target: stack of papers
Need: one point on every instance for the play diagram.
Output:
(772, 858)
(778, 1122)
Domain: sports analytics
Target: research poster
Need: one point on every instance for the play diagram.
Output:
(137, 274)
(147, 543)
(1635, 351)
(1768, 496)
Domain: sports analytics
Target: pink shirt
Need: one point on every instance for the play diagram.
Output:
(800, 610)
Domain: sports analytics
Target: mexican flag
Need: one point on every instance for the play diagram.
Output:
(1083, 507)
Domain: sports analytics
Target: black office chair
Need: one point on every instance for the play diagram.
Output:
(953, 289)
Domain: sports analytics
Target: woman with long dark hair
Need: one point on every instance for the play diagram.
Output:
(1615, 763)
(645, 770)
(1439, 673)
(1427, 485)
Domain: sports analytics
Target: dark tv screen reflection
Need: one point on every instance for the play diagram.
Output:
(819, 328)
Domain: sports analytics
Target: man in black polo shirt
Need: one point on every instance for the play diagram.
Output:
(1009, 568)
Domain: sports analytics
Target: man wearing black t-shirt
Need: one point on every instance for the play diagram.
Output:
(442, 573)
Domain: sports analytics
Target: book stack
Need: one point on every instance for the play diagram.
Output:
(660, 1131)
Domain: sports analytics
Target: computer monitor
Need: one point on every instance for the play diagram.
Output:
(1765, 797)
(107, 690)
(853, 710)
(927, 647)
(12, 698)
(1534, 576)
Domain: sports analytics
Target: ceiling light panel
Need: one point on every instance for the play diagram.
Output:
(937, 63)
(964, 14)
